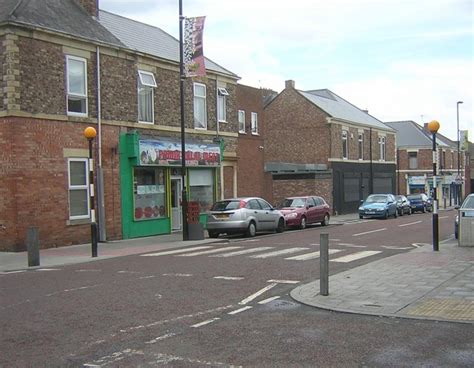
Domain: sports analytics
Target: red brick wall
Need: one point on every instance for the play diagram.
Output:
(303, 187)
(90, 6)
(228, 182)
(4, 71)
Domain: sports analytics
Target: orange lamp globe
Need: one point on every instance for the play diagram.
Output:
(433, 126)
(90, 133)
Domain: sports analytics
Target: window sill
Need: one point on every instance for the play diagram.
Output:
(222, 121)
(72, 222)
(255, 133)
(242, 132)
(78, 114)
(146, 122)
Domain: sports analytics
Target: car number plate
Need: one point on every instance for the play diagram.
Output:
(370, 212)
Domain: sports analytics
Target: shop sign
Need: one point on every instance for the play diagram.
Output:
(416, 180)
(168, 153)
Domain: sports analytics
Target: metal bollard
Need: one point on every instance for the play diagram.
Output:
(324, 265)
(32, 245)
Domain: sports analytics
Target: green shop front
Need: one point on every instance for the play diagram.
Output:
(151, 182)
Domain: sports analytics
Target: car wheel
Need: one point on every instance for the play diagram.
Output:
(303, 223)
(251, 230)
(423, 210)
(385, 216)
(213, 234)
(410, 211)
(401, 212)
(395, 214)
(456, 233)
(281, 226)
(361, 217)
(325, 221)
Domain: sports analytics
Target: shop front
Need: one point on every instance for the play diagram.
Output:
(152, 182)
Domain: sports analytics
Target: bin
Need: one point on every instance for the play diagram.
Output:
(195, 228)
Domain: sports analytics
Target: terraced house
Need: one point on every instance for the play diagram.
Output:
(67, 65)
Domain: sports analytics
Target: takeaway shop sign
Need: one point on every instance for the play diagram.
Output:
(168, 153)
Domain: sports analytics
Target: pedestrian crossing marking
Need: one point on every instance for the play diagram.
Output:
(240, 252)
(207, 252)
(355, 256)
(279, 252)
(176, 251)
(312, 255)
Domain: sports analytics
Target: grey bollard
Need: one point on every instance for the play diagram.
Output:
(32, 245)
(324, 265)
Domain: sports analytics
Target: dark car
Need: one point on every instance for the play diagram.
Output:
(379, 205)
(403, 205)
(300, 211)
(420, 202)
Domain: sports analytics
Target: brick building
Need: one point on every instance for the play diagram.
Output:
(318, 143)
(67, 65)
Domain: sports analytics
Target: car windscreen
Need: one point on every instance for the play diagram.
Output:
(468, 202)
(376, 199)
(225, 205)
(414, 197)
(292, 202)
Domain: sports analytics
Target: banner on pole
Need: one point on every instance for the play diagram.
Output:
(464, 139)
(193, 51)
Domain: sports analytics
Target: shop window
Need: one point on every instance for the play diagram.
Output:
(201, 188)
(76, 73)
(149, 193)
(78, 174)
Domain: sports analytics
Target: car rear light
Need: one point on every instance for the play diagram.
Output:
(242, 204)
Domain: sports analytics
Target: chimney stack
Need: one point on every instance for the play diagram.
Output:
(90, 6)
(290, 84)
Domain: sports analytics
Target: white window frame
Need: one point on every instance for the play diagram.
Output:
(76, 95)
(345, 144)
(382, 148)
(360, 141)
(241, 118)
(203, 98)
(86, 186)
(147, 86)
(254, 123)
(222, 105)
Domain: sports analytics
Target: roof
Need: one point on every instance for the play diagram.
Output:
(339, 108)
(410, 134)
(149, 40)
(67, 17)
(63, 16)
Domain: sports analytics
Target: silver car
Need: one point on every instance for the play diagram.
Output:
(243, 215)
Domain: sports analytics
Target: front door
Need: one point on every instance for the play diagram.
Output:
(176, 210)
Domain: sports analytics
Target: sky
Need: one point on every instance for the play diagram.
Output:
(399, 59)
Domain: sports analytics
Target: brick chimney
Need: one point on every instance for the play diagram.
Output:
(90, 6)
(290, 84)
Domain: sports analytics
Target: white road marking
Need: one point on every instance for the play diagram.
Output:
(240, 252)
(251, 241)
(312, 255)
(159, 338)
(417, 245)
(284, 281)
(240, 310)
(370, 232)
(127, 271)
(443, 217)
(335, 240)
(352, 245)
(228, 278)
(10, 272)
(278, 252)
(410, 223)
(355, 256)
(48, 269)
(257, 294)
(147, 277)
(75, 289)
(200, 324)
(265, 301)
(178, 274)
(207, 252)
(176, 251)
(390, 247)
(88, 270)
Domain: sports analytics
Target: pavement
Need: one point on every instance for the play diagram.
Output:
(420, 284)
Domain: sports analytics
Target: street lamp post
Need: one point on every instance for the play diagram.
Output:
(433, 127)
(90, 133)
(458, 197)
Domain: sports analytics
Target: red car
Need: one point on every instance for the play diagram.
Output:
(300, 211)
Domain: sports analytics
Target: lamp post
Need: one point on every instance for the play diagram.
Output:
(90, 133)
(433, 127)
(458, 197)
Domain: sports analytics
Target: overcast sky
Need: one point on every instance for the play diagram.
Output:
(400, 59)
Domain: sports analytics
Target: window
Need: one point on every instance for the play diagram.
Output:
(201, 188)
(149, 193)
(413, 160)
(361, 146)
(382, 148)
(200, 109)
(345, 147)
(76, 74)
(443, 160)
(146, 83)
(78, 173)
(222, 104)
(254, 123)
(241, 121)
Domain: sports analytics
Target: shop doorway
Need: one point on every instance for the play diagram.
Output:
(176, 210)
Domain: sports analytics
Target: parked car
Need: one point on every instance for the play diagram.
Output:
(420, 202)
(379, 205)
(300, 211)
(403, 205)
(467, 203)
(243, 215)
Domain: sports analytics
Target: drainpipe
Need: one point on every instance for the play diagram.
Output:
(100, 173)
